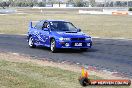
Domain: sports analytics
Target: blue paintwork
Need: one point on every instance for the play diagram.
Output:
(43, 37)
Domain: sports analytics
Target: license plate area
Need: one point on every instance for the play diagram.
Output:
(78, 44)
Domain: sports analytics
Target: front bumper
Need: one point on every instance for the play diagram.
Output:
(71, 44)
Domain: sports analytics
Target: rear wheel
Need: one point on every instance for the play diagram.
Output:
(31, 43)
(53, 46)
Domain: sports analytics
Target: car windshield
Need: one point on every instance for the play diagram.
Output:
(62, 26)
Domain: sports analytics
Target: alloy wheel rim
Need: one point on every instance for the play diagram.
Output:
(52, 45)
(30, 42)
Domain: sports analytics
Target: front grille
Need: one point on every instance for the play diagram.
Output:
(77, 39)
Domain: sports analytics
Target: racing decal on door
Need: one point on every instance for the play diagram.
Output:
(40, 37)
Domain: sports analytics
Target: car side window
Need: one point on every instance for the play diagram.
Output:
(45, 25)
(39, 25)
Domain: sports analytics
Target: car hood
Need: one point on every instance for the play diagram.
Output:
(70, 34)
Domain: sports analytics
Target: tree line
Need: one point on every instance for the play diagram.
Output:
(17, 3)
(74, 3)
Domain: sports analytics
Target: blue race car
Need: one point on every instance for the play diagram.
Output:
(57, 34)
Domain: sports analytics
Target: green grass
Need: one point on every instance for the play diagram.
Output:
(94, 25)
(29, 75)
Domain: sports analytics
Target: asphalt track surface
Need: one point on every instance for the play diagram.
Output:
(110, 54)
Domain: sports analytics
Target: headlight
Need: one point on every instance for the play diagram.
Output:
(88, 39)
(64, 39)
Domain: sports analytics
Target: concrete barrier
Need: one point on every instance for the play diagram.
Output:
(95, 12)
(130, 12)
(105, 12)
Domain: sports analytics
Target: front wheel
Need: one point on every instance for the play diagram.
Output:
(31, 43)
(53, 46)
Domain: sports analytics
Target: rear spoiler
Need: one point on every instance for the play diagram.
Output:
(32, 23)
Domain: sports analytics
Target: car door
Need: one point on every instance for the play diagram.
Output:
(44, 33)
(37, 33)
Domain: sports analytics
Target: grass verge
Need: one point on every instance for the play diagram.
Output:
(94, 25)
(15, 73)
(28, 75)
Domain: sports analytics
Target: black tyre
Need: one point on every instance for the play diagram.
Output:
(53, 46)
(31, 43)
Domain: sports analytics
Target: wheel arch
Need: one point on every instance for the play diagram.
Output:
(51, 38)
(29, 36)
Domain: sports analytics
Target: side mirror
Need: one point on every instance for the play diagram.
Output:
(78, 30)
(45, 29)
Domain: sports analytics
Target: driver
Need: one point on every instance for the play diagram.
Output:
(45, 25)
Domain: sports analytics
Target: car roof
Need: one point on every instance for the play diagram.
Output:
(55, 20)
